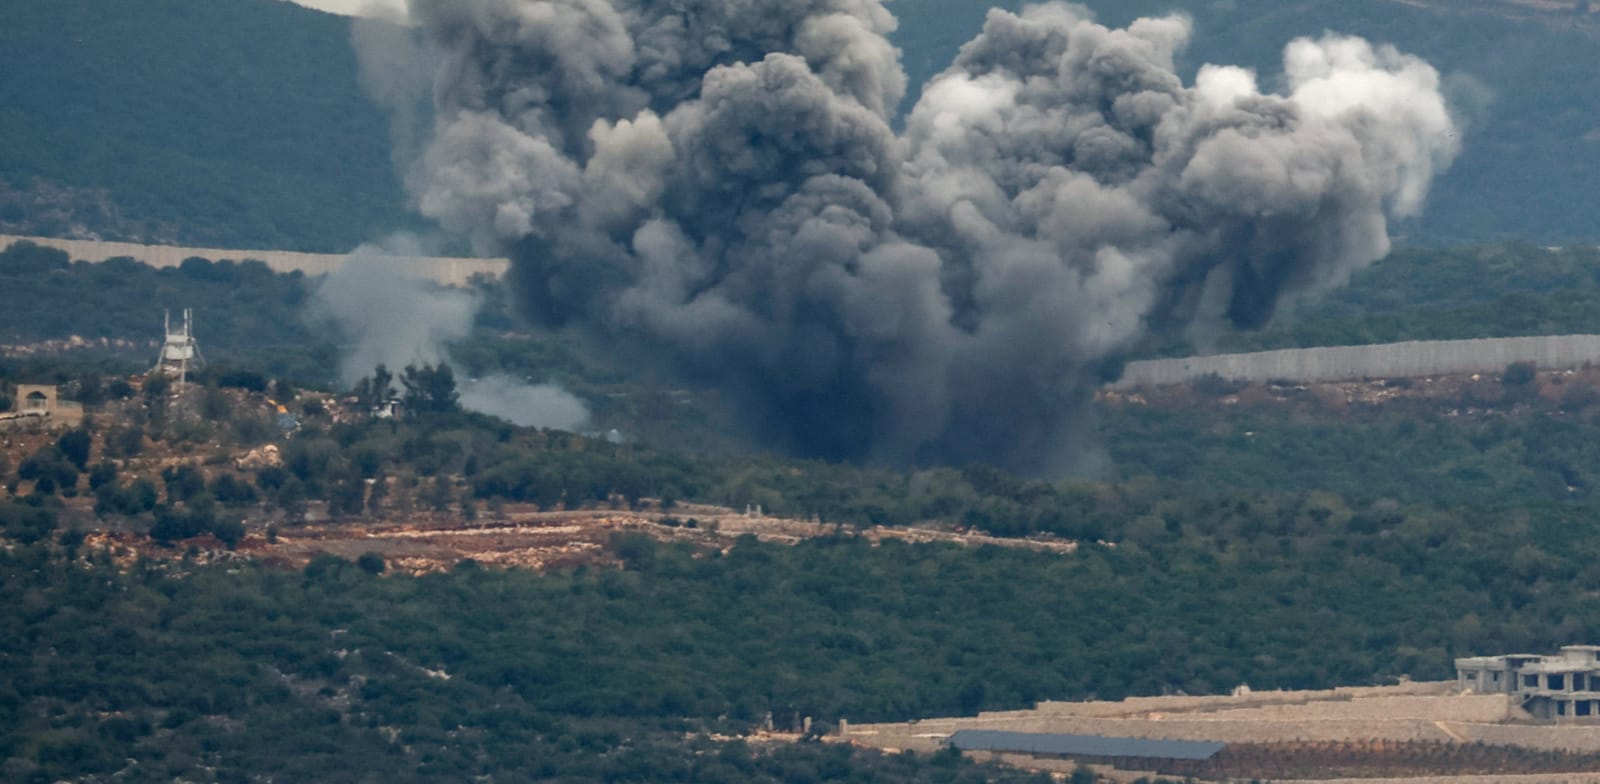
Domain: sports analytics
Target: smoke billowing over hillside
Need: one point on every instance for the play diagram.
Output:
(718, 184)
(384, 316)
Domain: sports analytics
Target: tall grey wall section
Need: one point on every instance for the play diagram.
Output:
(448, 270)
(1386, 360)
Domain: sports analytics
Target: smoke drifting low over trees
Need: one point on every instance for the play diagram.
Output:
(718, 185)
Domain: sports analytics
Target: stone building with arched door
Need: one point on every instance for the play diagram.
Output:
(41, 404)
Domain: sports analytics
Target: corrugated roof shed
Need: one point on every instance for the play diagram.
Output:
(1083, 745)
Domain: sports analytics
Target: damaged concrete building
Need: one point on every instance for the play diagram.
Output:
(1563, 686)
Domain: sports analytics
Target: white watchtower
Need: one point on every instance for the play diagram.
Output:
(180, 351)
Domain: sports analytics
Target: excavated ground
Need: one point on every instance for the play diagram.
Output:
(522, 537)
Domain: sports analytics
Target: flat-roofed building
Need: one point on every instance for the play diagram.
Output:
(1563, 686)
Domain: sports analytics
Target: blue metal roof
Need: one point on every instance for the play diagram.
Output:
(1083, 745)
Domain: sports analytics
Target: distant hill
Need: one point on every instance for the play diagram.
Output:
(1498, 290)
(1491, 290)
(236, 123)
(240, 123)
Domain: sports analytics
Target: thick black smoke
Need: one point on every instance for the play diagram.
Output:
(715, 183)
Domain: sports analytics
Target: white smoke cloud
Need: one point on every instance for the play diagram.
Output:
(386, 315)
(521, 403)
(718, 184)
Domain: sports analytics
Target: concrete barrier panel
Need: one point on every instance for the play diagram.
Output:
(1386, 360)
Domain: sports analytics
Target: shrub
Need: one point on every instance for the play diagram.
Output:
(371, 563)
(1519, 374)
(25, 523)
(230, 532)
(74, 446)
(103, 473)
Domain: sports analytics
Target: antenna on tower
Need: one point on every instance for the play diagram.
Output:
(179, 351)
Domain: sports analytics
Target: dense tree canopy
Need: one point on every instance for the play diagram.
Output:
(254, 133)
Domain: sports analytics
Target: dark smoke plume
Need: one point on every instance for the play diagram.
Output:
(717, 184)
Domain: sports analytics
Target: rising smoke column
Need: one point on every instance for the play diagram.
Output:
(384, 315)
(716, 185)
(1084, 197)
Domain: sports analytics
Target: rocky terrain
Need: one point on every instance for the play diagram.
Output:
(409, 531)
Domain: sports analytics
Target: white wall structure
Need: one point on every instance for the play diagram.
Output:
(448, 270)
(1387, 360)
(380, 9)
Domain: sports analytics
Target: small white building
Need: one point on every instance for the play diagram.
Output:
(1563, 686)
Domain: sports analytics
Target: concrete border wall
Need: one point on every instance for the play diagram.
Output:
(1386, 360)
(448, 270)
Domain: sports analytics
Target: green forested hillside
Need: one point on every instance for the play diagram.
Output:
(1294, 546)
(233, 123)
(247, 314)
(1407, 455)
(248, 672)
(1463, 276)
(1499, 290)
(1291, 546)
